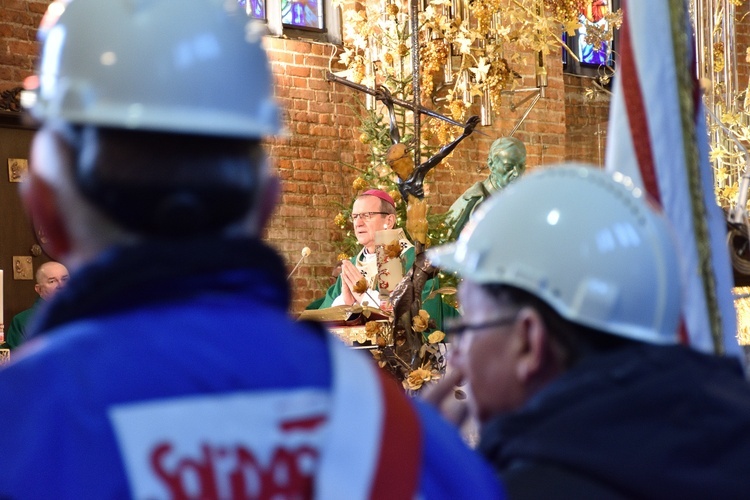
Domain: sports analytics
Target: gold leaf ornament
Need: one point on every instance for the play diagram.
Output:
(360, 286)
(420, 322)
(435, 337)
(416, 219)
(340, 221)
(417, 378)
(393, 249)
(359, 184)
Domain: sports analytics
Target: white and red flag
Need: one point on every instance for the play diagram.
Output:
(657, 136)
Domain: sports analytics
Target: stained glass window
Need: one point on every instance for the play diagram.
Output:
(592, 15)
(254, 8)
(302, 13)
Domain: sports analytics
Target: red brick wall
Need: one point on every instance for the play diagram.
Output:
(18, 22)
(586, 121)
(323, 140)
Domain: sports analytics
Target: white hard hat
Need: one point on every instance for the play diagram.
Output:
(583, 241)
(183, 66)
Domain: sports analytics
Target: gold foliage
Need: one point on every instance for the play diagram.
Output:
(487, 44)
(417, 378)
(416, 219)
(360, 286)
(393, 249)
(742, 306)
(420, 322)
(436, 336)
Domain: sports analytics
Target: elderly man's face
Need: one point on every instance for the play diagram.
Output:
(365, 228)
(485, 356)
(53, 277)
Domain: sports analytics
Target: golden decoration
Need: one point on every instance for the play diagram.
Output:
(486, 47)
(340, 221)
(742, 306)
(718, 57)
(372, 329)
(359, 184)
(360, 286)
(393, 249)
(416, 219)
(420, 322)
(396, 195)
(435, 337)
(417, 378)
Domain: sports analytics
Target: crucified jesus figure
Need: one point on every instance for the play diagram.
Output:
(412, 179)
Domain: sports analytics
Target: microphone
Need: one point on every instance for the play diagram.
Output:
(305, 252)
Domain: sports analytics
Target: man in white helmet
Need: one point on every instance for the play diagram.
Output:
(568, 349)
(169, 366)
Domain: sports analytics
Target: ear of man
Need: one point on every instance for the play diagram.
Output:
(538, 357)
(391, 221)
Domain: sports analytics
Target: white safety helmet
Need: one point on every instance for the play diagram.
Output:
(585, 242)
(183, 66)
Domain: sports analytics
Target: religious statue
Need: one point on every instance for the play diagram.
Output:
(506, 161)
(411, 178)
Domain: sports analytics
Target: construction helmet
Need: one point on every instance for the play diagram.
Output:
(181, 66)
(582, 240)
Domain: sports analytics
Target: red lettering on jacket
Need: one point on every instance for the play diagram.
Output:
(235, 472)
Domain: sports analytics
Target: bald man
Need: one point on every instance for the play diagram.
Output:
(50, 278)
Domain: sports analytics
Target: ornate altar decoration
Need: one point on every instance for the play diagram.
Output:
(727, 103)
(466, 57)
(444, 61)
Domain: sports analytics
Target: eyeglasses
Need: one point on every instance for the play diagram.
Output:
(365, 216)
(460, 327)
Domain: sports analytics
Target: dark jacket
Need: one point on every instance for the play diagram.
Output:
(642, 422)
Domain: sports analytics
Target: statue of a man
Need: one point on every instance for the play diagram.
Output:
(506, 160)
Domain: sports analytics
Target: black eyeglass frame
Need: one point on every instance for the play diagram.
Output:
(365, 215)
(460, 328)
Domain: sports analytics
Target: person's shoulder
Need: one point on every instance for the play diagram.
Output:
(548, 480)
(23, 316)
(451, 469)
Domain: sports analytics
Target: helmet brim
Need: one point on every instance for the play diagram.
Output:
(444, 257)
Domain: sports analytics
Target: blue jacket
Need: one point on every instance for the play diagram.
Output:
(162, 362)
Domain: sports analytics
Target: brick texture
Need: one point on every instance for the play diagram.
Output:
(586, 121)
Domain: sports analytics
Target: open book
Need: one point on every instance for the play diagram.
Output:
(344, 315)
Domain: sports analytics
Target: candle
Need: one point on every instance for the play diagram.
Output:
(390, 268)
